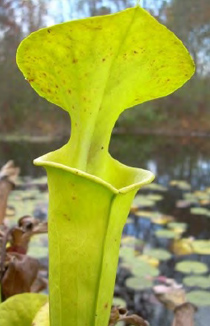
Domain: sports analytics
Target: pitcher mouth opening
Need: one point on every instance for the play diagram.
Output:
(133, 178)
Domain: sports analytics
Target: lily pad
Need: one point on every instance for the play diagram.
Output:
(189, 196)
(147, 214)
(150, 260)
(183, 185)
(155, 197)
(143, 201)
(162, 219)
(201, 247)
(191, 266)
(155, 187)
(160, 254)
(127, 253)
(200, 211)
(131, 241)
(168, 234)
(119, 302)
(199, 298)
(39, 181)
(198, 281)
(142, 268)
(201, 195)
(156, 217)
(138, 284)
(177, 227)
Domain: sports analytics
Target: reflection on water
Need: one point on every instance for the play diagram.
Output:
(168, 157)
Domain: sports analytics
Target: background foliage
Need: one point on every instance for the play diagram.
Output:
(22, 111)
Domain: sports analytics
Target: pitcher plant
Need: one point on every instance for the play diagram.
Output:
(94, 69)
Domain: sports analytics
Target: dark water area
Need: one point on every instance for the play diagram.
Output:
(169, 158)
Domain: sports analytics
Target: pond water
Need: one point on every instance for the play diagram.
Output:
(182, 168)
(168, 157)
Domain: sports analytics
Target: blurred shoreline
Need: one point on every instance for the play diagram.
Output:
(36, 138)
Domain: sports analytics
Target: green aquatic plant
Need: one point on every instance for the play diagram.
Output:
(201, 247)
(190, 266)
(199, 298)
(94, 69)
(158, 253)
(167, 234)
(197, 281)
(138, 283)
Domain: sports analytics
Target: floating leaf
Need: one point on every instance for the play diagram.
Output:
(39, 181)
(155, 187)
(142, 268)
(183, 185)
(127, 253)
(162, 219)
(160, 254)
(155, 197)
(131, 241)
(143, 201)
(156, 217)
(201, 247)
(150, 260)
(147, 214)
(163, 233)
(119, 302)
(138, 283)
(199, 211)
(177, 227)
(189, 196)
(189, 199)
(198, 281)
(199, 298)
(190, 266)
(201, 195)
